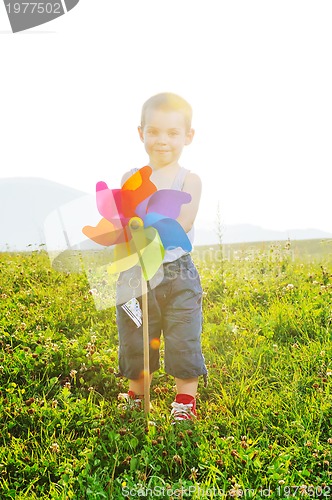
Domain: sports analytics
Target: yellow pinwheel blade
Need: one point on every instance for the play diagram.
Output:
(152, 255)
(145, 248)
(149, 249)
(124, 258)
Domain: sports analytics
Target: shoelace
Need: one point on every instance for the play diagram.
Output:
(180, 411)
(129, 402)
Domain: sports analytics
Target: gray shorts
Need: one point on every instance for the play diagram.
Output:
(174, 308)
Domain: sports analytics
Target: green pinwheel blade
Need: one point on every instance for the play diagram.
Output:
(149, 249)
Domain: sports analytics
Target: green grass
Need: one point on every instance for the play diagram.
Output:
(264, 427)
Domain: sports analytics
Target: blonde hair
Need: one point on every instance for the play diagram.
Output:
(169, 102)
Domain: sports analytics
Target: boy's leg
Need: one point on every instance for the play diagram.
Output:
(184, 405)
(137, 386)
(187, 386)
(131, 339)
(183, 324)
(134, 397)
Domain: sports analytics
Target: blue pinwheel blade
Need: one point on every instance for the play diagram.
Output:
(152, 218)
(172, 234)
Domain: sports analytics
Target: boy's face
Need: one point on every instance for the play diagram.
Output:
(164, 135)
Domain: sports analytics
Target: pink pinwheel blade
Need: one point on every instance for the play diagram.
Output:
(109, 201)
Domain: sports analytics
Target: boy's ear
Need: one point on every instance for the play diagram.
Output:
(140, 133)
(189, 136)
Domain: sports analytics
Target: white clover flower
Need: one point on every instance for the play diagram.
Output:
(236, 491)
(55, 448)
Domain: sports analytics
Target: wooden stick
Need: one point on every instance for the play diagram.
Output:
(146, 346)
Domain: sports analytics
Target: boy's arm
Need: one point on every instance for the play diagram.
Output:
(193, 186)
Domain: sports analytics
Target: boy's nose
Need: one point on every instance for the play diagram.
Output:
(162, 139)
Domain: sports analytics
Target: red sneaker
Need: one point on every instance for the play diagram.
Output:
(183, 408)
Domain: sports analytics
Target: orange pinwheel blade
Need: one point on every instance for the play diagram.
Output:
(136, 189)
(105, 233)
(121, 203)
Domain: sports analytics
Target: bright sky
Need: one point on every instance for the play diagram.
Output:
(257, 73)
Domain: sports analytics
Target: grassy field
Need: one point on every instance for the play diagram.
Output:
(265, 420)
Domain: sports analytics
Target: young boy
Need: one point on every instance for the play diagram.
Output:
(175, 305)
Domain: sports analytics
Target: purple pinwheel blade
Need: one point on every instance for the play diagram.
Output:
(172, 234)
(167, 202)
(141, 208)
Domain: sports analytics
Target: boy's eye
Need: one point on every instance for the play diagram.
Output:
(173, 133)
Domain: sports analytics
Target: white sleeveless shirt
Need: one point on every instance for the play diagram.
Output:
(176, 253)
(178, 183)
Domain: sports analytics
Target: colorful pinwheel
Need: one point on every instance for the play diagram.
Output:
(139, 222)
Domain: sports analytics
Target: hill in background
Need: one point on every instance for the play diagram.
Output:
(205, 234)
(25, 203)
